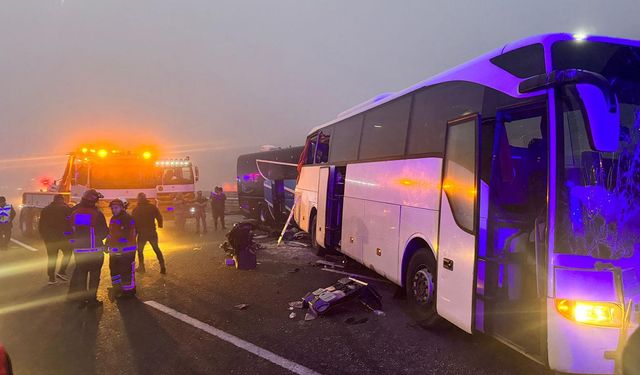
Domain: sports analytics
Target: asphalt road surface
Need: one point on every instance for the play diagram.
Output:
(185, 322)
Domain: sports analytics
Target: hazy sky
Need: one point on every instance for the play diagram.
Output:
(218, 78)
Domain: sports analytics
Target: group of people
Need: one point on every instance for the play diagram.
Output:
(82, 231)
(217, 200)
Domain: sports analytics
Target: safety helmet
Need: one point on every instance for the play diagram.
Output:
(119, 201)
(92, 195)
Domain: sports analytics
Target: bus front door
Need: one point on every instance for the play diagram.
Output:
(511, 272)
(457, 237)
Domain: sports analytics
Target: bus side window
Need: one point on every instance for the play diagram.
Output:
(322, 149)
(311, 149)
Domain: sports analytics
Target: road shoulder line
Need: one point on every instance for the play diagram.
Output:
(30, 248)
(240, 343)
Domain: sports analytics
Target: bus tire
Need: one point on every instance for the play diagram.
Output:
(315, 248)
(420, 285)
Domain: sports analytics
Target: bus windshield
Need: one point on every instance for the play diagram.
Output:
(599, 192)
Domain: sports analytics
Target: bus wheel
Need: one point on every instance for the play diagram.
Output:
(315, 248)
(421, 289)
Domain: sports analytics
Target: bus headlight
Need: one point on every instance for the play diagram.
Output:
(603, 314)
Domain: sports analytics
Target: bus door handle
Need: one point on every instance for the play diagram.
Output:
(447, 264)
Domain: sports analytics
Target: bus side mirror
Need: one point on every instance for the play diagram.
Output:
(602, 117)
(197, 173)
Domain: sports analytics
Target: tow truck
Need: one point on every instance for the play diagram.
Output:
(115, 173)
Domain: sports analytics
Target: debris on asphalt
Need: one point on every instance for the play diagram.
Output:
(290, 307)
(292, 315)
(354, 321)
(328, 264)
(379, 313)
(230, 262)
(294, 270)
(241, 306)
(310, 315)
(298, 244)
(297, 304)
(240, 245)
(347, 289)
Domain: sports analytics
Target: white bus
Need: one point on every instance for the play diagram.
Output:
(502, 195)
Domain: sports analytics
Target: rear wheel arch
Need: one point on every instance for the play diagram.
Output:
(414, 245)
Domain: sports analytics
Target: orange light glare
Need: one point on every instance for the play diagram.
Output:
(85, 150)
(102, 153)
(604, 314)
(146, 155)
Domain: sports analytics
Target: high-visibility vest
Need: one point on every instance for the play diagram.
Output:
(83, 222)
(5, 214)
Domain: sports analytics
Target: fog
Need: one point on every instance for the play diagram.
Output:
(214, 79)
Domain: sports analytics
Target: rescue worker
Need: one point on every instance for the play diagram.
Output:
(55, 228)
(218, 199)
(180, 211)
(89, 229)
(7, 214)
(121, 243)
(145, 216)
(200, 205)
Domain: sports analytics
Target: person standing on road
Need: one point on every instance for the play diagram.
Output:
(201, 212)
(122, 251)
(55, 228)
(218, 199)
(145, 216)
(7, 214)
(180, 211)
(89, 229)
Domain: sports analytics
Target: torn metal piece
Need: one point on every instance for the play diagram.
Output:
(311, 315)
(241, 306)
(329, 264)
(297, 304)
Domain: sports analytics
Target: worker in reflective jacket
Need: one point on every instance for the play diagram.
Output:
(7, 214)
(89, 229)
(121, 243)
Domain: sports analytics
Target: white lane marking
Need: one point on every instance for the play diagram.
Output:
(30, 248)
(240, 343)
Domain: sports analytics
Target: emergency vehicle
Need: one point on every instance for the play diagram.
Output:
(115, 173)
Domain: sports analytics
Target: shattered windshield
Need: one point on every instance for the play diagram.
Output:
(599, 192)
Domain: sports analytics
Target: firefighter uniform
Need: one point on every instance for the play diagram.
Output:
(122, 254)
(89, 229)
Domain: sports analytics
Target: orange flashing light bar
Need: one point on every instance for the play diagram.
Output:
(173, 163)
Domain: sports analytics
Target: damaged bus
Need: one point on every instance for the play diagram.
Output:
(502, 195)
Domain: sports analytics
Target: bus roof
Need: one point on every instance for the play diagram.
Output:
(481, 71)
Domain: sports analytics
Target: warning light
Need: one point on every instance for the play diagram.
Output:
(146, 155)
(102, 153)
